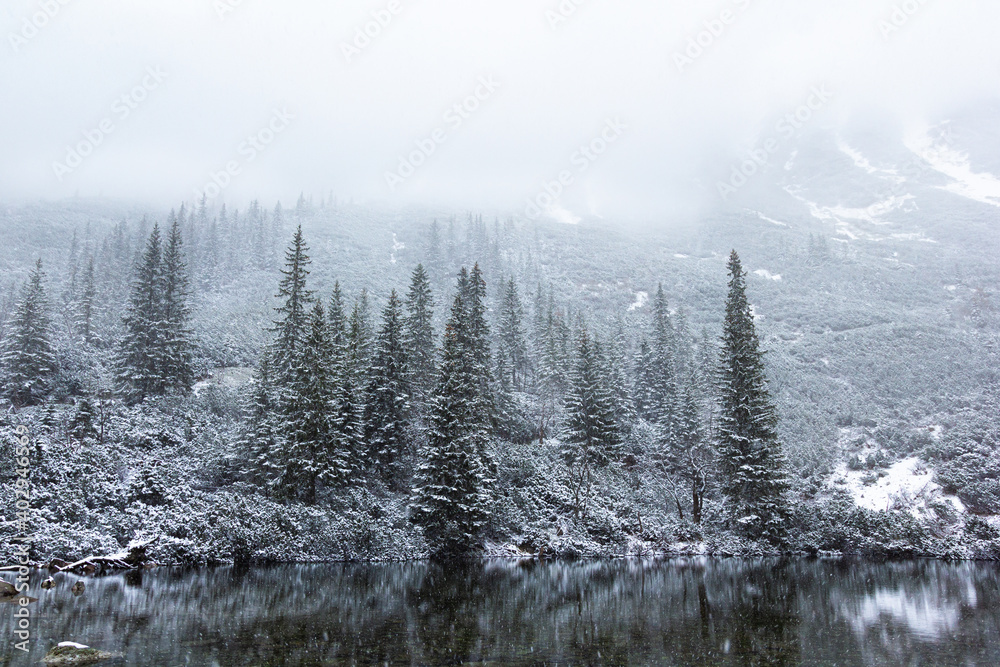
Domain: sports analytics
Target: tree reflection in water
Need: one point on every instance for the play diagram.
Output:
(675, 612)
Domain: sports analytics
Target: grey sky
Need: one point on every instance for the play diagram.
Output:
(224, 74)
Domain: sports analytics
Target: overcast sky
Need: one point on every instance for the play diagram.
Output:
(331, 112)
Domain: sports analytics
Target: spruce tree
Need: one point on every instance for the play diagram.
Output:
(452, 486)
(419, 338)
(86, 304)
(175, 338)
(310, 455)
(348, 404)
(688, 455)
(511, 335)
(753, 466)
(478, 344)
(618, 379)
(359, 336)
(663, 392)
(590, 434)
(388, 396)
(291, 328)
(591, 430)
(27, 360)
(260, 441)
(140, 357)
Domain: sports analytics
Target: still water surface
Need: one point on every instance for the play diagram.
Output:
(675, 612)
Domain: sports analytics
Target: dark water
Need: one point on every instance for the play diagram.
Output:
(677, 612)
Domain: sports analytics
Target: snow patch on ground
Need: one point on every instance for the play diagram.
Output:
(680, 256)
(845, 219)
(771, 220)
(640, 300)
(764, 273)
(230, 377)
(396, 247)
(562, 215)
(981, 187)
(861, 162)
(906, 485)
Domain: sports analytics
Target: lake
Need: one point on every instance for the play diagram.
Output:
(623, 612)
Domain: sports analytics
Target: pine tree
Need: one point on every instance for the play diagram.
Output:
(290, 329)
(260, 441)
(81, 426)
(753, 467)
(453, 481)
(140, 361)
(86, 304)
(590, 430)
(688, 456)
(419, 338)
(478, 344)
(663, 392)
(310, 455)
(27, 360)
(590, 434)
(359, 336)
(348, 406)
(618, 380)
(177, 370)
(435, 260)
(388, 396)
(511, 335)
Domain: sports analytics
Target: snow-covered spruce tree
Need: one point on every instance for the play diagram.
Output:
(359, 336)
(27, 360)
(140, 355)
(338, 319)
(644, 381)
(434, 253)
(552, 371)
(309, 453)
(177, 369)
(260, 442)
(478, 345)
(617, 379)
(388, 397)
(86, 305)
(452, 485)
(753, 466)
(512, 345)
(663, 391)
(419, 339)
(590, 433)
(348, 401)
(82, 425)
(290, 329)
(688, 455)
